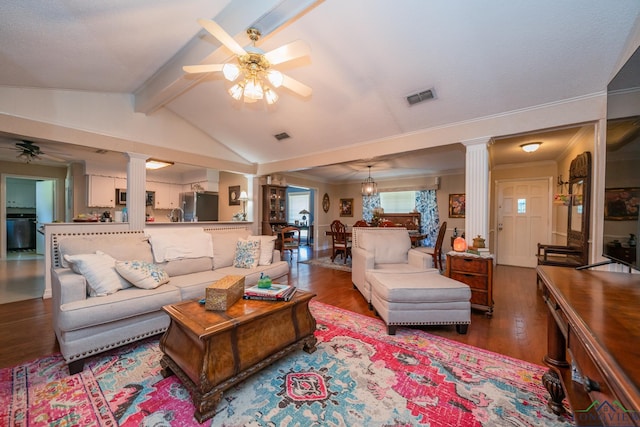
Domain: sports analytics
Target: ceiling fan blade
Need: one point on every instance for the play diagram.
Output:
(54, 158)
(223, 37)
(204, 68)
(296, 86)
(288, 52)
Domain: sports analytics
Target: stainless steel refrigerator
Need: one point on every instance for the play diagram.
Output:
(199, 206)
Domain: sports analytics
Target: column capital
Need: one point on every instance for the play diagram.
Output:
(481, 141)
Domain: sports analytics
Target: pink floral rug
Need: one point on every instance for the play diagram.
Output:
(359, 376)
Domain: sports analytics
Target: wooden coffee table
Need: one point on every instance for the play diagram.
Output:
(211, 351)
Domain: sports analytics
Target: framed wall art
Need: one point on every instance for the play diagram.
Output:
(621, 204)
(234, 193)
(325, 203)
(346, 207)
(457, 207)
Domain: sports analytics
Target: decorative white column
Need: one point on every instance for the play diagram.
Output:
(136, 191)
(477, 189)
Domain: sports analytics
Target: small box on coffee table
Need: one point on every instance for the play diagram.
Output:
(222, 294)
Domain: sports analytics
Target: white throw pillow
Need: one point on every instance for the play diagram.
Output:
(99, 270)
(142, 274)
(267, 246)
(247, 253)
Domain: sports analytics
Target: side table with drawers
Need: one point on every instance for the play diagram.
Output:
(477, 272)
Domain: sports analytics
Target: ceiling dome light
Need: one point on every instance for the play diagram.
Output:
(530, 147)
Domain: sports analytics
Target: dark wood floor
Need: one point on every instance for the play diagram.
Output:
(517, 328)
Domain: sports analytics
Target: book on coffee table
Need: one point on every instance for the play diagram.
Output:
(276, 292)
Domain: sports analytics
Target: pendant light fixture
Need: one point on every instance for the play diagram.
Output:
(369, 186)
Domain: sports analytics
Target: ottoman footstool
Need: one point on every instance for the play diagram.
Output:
(420, 298)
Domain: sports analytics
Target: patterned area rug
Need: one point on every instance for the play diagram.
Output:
(359, 376)
(326, 262)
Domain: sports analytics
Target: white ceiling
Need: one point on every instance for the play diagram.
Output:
(481, 58)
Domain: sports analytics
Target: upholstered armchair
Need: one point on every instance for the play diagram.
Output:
(387, 249)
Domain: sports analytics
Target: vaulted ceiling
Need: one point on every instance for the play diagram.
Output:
(482, 59)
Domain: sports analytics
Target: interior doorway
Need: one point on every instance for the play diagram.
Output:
(523, 220)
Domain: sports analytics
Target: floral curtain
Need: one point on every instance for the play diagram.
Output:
(427, 205)
(369, 203)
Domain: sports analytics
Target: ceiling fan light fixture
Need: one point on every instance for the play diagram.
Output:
(275, 77)
(369, 186)
(253, 89)
(236, 91)
(230, 71)
(530, 147)
(270, 96)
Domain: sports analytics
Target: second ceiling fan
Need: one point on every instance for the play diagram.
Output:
(253, 70)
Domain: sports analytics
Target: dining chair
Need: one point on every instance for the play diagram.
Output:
(436, 251)
(341, 244)
(290, 238)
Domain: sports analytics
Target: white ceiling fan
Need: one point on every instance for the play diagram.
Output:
(253, 70)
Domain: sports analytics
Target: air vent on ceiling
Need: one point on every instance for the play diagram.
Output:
(101, 151)
(281, 136)
(421, 96)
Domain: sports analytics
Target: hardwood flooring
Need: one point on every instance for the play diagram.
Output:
(517, 329)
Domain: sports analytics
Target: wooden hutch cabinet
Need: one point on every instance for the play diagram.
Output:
(274, 208)
(477, 272)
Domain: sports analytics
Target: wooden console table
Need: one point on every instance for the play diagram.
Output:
(596, 316)
(211, 351)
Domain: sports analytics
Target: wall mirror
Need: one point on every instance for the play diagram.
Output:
(579, 191)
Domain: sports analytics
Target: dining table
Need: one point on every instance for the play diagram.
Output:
(415, 237)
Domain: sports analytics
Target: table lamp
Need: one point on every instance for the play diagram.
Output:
(243, 198)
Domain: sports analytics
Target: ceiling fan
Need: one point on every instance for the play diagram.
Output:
(254, 66)
(28, 151)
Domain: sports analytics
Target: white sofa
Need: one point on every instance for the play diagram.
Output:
(85, 325)
(388, 249)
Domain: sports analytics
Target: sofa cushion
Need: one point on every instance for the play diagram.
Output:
(99, 270)
(267, 245)
(192, 286)
(276, 270)
(121, 246)
(142, 274)
(387, 246)
(247, 253)
(224, 243)
(128, 303)
(179, 267)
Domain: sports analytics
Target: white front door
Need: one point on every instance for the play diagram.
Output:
(523, 220)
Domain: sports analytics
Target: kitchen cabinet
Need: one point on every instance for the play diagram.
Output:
(101, 191)
(21, 193)
(274, 208)
(167, 196)
(477, 272)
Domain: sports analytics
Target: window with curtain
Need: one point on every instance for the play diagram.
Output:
(398, 201)
(297, 201)
(423, 201)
